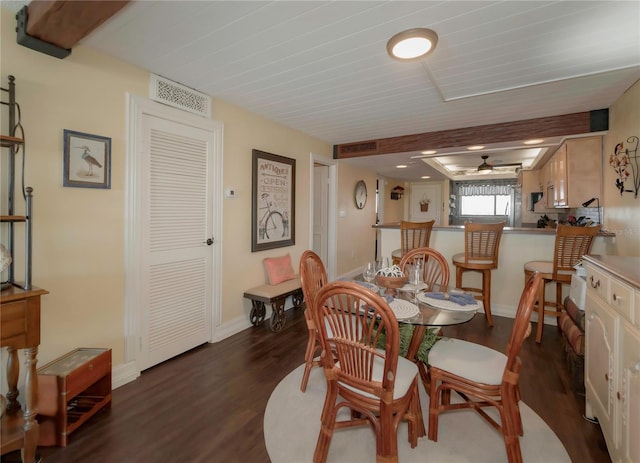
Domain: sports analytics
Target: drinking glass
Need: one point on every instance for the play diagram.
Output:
(415, 278)
(369, 272)
(383, 262)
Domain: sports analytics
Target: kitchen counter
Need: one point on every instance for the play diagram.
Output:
(526, 230)
(625, 268)
(517, 247)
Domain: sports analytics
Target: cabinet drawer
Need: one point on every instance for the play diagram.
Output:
(14, 319)
(87, 374)
(598, 283)
(621, 299)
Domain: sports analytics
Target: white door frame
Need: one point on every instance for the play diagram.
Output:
(332, 207)
(136, 107)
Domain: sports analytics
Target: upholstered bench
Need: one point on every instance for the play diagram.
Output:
(282, 282)
(572, 326)
(276, 295)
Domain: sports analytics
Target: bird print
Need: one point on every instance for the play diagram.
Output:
(90, 160)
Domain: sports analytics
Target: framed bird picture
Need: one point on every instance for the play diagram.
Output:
(87, 160)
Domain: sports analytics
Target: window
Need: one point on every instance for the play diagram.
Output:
(485, 200)
(485, 205)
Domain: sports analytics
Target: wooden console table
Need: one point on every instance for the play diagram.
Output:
(20, 329)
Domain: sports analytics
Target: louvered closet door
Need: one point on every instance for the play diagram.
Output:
(177, 262)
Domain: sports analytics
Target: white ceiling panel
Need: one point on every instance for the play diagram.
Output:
(321, 67)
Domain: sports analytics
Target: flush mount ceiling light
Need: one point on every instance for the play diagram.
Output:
(535, 141)
(412, 44)
(484, 167)
(475, 147)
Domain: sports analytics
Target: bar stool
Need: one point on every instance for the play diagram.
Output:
(571, 244)
(412, 235)
(481, 245)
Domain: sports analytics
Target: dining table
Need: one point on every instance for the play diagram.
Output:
(415, 308)
(433, 315)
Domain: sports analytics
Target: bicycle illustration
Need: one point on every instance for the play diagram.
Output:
(273, 223)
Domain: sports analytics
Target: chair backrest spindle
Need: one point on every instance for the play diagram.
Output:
(482, 242)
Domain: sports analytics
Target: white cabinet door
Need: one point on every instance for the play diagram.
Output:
(629, 394)
(600, 374)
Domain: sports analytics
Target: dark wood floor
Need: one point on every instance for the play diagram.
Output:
(207, 405)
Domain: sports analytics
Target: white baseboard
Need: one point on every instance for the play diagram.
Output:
(230, 328)
(123, 374)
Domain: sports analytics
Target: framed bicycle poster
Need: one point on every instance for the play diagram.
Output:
(273, 195)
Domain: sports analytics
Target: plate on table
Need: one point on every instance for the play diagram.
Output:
(404, 309)
(447, 304)
(412, 287)
(369, 286)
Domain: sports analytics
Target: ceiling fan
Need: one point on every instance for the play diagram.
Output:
(486, 168)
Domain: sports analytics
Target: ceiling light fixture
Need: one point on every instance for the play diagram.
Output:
(412, 44)
(475, 147)
(428, 152)
(485, 168)
(426, 176)
(401, 166)
(535, 141)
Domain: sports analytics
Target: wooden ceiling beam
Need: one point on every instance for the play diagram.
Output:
(516, 131)
(64, 23)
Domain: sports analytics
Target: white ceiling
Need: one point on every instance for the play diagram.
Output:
(322, 68)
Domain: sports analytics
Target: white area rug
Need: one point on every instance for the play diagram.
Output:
(292, 423)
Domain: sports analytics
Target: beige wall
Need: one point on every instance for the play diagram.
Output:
(79, 233)
(622, 212)
(356, 237)
(393, 209)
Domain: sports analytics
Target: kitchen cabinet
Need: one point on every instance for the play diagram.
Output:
(529, 183)
(574, 173)
(612, 353)
(549, 192)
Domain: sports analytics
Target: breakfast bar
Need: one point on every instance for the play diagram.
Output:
(518, 246)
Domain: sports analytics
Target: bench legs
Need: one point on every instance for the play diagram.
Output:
(258, 311)
(297, 298)
(278, 317)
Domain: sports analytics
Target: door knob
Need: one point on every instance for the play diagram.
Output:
(209, 241)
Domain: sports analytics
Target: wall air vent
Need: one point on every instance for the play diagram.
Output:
(177, 95)
(348, 150)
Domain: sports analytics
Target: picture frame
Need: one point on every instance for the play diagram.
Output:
(87, 160)
(273, 196)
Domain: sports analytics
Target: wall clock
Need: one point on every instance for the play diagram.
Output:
(360, 194)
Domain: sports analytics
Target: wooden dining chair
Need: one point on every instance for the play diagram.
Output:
(570, 245)
(481, 247)
(363, 373)
(435, 274)
(435, 269)
(312, 277)
(483, 377)
(412, 235)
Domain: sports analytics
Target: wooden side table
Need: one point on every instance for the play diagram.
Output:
(72, 389)
(20, 329)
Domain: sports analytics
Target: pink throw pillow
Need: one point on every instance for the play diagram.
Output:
(279, 269)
